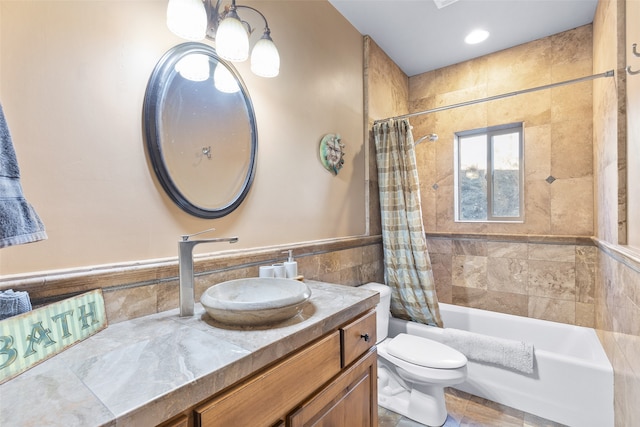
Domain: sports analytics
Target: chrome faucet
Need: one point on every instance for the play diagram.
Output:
(185, 262)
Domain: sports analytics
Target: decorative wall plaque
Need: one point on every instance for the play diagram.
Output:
(30, 338)
(332, 153)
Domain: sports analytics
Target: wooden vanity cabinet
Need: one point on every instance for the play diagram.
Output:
(332, 382)
(347, 401)
(267, 397)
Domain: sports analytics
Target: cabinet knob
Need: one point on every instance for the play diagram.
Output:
(365, 337)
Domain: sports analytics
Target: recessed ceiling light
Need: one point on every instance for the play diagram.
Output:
(476, 36)
(443, 3)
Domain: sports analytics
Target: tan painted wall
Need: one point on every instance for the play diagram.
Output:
(72, 81)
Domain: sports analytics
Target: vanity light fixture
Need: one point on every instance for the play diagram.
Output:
(196, 19)
(476, 36)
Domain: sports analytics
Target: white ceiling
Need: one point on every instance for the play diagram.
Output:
(419, 37)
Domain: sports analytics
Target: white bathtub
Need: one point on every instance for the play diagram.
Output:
(572, 382)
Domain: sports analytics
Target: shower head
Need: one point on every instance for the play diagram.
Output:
(431, 137)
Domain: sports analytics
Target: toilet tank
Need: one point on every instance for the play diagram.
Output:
(382, 309)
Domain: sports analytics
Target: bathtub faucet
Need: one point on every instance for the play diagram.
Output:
(185, 263)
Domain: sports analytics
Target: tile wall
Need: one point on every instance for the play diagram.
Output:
(386, 95)
(574, 133)
(617, 301)
(558, 132)
(617, 295)
(517, 275)
(543, 267)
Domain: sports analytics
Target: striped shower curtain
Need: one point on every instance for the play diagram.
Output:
(406, 260)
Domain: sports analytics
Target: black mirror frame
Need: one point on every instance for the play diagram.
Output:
(151, 125)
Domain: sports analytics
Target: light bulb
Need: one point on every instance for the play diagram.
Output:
(232, 40)
(187, 19)
(265, 59)
(224, 81)
(194, 67)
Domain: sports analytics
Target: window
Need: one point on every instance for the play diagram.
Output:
(489, 174)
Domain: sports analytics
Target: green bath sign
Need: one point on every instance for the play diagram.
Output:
(33, 337)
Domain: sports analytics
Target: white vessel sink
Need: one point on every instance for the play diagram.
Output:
(255, 301)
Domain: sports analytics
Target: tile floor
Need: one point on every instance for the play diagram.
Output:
(466, 410)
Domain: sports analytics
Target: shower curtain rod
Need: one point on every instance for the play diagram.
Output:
(609, 73)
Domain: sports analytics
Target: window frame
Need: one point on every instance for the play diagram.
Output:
(490, 132)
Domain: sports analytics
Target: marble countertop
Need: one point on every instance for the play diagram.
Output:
(144, 371)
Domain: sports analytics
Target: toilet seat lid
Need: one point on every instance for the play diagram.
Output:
(425, 352)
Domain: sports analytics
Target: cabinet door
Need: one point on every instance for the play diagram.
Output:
(349, 401)
(267, 397)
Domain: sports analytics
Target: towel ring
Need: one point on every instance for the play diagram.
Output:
(631, 72)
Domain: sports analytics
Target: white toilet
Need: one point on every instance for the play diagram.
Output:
(413, 371)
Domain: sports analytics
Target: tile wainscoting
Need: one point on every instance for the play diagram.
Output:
(140, 288)
(573, 280)
(618, 325)
(566, 279)
(543, 277)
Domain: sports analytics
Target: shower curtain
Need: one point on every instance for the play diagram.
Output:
(406, 261)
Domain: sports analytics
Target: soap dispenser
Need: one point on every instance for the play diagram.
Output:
(290, 266)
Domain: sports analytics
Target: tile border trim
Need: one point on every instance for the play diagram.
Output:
(623, 254)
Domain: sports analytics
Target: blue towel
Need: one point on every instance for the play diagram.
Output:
(19, 222)
(13, 303)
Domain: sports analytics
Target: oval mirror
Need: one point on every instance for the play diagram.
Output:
(200, 130)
